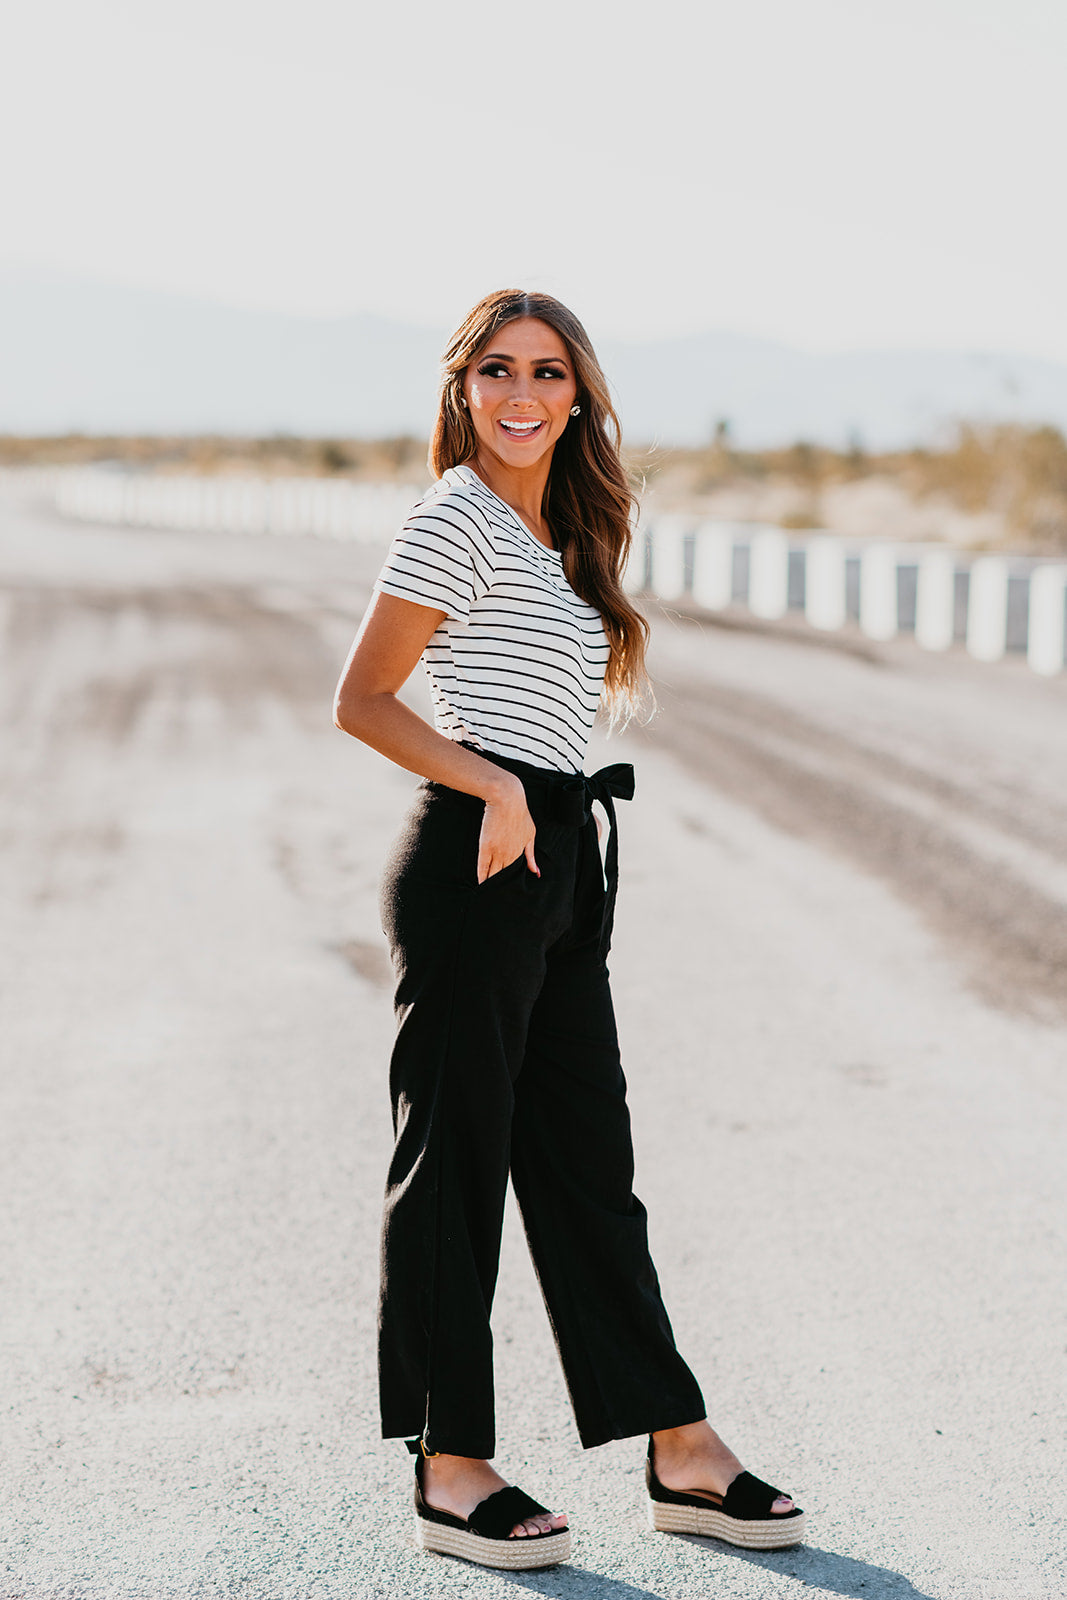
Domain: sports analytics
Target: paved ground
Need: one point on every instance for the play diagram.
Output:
(841, 973)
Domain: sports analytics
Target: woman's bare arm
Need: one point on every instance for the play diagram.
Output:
(390, 641)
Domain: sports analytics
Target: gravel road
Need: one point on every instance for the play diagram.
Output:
(841, 974)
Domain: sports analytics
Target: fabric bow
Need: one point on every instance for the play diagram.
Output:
(575, 796)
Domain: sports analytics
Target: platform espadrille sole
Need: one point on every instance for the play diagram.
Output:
(771, 1533)
(547, 1550)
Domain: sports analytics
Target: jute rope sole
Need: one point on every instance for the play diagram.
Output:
(773, 1533)
(514, 1554)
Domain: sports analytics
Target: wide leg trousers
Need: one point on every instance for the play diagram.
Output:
(507, 1061)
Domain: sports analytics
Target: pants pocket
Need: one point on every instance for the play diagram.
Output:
(513, 870)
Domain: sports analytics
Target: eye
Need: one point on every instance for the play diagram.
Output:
(493, 369)
(550, 372)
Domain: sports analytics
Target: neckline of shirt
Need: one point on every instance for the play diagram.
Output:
(468, 475)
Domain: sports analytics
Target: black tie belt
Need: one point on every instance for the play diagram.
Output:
(567, 798)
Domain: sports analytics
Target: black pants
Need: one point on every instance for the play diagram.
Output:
(507, 1059)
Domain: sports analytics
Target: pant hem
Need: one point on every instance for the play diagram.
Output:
(629, 1428)
(450, 1447)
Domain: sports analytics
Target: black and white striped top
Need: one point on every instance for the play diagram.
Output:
(518, 663)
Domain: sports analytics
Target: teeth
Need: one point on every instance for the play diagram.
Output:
(521, 427)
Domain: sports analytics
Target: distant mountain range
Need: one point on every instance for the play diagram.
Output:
(96, 358)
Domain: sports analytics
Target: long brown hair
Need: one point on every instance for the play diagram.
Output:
(587, 502)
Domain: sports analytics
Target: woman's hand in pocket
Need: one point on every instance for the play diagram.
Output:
(507, 833)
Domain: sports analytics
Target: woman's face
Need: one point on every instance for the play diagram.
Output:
(519, 391)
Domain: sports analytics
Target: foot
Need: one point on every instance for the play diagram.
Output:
(459, 1483)
(694, 1460)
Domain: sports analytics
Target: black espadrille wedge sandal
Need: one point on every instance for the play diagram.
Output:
(741, 1516)
(485, 1536)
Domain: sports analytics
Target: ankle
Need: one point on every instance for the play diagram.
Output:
(445, 1469)
(693, 1438)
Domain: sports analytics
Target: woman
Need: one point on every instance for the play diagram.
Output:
(505, 579)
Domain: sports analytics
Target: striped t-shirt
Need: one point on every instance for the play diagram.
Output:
(518, 663)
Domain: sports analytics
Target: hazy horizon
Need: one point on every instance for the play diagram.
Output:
(87, 356)
(25, 273)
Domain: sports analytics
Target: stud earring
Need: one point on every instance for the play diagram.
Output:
(575, 410)
(463, 401)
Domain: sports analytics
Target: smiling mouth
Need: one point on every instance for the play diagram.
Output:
(521, 430)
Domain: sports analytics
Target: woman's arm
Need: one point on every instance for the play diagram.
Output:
(390, 641)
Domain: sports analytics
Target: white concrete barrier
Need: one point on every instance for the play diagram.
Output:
(1045, 619)
(668, 557)
(713, 566)
(935, 600)
(633, 573)
(768, 573)
(131, 500)
(343, 509)
(325, 508)
(253, 506)
(987, 608)
(30, 483)
(824, 582)
(878, 591)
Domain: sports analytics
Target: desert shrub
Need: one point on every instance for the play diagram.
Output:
(1017, 470)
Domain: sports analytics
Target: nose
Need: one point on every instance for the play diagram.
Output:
(521, 397)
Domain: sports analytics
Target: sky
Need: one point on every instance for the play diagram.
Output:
(837, 174)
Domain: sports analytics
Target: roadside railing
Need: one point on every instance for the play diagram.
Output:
(327, 508)
(992, 604)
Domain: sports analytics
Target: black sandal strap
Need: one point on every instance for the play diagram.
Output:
(495, 1516)
(749, 1499)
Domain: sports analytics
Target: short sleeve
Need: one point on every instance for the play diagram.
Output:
(443, 556)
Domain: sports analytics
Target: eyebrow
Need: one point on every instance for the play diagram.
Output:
(542, 361)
